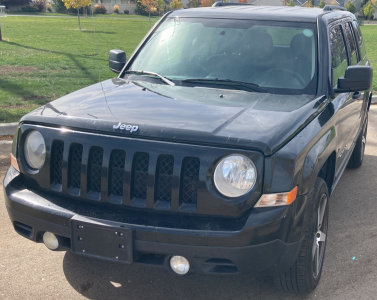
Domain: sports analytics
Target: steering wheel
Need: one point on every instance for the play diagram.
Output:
(296, 75)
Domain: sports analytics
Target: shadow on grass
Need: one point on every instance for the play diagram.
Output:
(70, 56)
(104, 32)
(16, 89)
(50, 51)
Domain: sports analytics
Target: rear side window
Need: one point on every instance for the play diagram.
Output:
(338, 53)
(351, 43)
(359, 39)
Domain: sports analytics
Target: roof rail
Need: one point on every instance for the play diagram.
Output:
(218, 3)
(333, 7)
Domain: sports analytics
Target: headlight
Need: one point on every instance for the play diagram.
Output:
(35, 150)
(235, 175)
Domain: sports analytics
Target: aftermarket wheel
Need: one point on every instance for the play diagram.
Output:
(357, 155)
(303, 277)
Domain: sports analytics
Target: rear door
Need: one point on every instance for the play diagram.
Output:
(347, 114)
(356, 101)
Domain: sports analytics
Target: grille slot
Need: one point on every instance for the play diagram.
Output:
(189, 183)
(164, 181)
(140, 177)
(56, 165)
(117, 162)
(128, 179)
(94, 172)
(74, 169)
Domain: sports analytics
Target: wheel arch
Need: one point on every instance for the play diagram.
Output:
(327, 172)
(320, 162)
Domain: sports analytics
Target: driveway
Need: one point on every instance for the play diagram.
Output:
(30, 271)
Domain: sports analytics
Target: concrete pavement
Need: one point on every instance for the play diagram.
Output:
(30, 271)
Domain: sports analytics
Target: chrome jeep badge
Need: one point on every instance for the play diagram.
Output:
(130, 128)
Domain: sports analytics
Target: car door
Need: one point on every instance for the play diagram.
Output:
(356, 101)
(346, 121)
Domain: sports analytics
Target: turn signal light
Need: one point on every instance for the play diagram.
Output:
(277, 199)
(13, 162)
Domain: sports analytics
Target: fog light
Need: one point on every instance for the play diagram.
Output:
(179, 265)
(50, 240)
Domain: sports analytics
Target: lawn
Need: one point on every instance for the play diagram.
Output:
(43, 59)
(75, 15)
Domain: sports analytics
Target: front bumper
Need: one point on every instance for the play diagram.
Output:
(267, 242)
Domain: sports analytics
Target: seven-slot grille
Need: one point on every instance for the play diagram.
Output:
(119, 185)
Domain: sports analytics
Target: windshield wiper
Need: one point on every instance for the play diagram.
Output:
(166, 80)
(249, 85)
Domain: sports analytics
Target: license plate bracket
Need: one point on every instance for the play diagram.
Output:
(104, 241)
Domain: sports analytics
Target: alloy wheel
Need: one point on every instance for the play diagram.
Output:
(319, 243)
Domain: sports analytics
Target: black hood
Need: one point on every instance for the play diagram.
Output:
(191, 114)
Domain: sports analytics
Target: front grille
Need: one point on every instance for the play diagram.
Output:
(136, 179)
(164, 178)
(57, 160)
(74, 166)
(190, 178)
(95, 169)
(140, 175)
(117, 162)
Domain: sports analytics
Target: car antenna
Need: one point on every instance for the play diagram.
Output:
(97, 54)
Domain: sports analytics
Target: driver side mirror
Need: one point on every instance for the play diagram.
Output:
(356, 79)
(117, 60)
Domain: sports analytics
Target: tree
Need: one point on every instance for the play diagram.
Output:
(368, 10)
(176, 4)
(243, 1)
(291, 3)
(160, 4)
(206, 3)
(77, 4)
(321, 4)
(149, 6)
(350, 7)
(310, 3)
(58, 5)
(17, 3)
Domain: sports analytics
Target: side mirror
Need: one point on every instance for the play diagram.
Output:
(117, 60)
(356, 79)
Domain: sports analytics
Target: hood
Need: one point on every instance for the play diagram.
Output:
(190, 114)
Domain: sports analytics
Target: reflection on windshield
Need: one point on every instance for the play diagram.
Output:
(275, 55)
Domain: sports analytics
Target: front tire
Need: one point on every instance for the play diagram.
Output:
(304, 275)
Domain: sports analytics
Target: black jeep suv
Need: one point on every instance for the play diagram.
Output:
(215, 150)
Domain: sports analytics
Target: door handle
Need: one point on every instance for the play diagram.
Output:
(356, 95)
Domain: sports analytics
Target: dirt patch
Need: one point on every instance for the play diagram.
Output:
(6, 137)
(13, 69)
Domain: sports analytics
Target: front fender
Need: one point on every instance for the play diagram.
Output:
(316, 158)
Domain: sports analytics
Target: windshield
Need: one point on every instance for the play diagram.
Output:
(278, 56)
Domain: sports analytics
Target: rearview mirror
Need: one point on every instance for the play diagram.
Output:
(356, 79)
(117, 60)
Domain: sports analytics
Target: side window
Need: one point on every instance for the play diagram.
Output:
(359, 39)
(351, 43)
(338, 53)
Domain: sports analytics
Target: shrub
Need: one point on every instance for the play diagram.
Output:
(99, 9)
(49, 7)
(40, 5)
(126, 12)
(116, 9)
(29, 9)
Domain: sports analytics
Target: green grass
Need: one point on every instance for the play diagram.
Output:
(370, 38)
(43, 59)
(75, 15)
